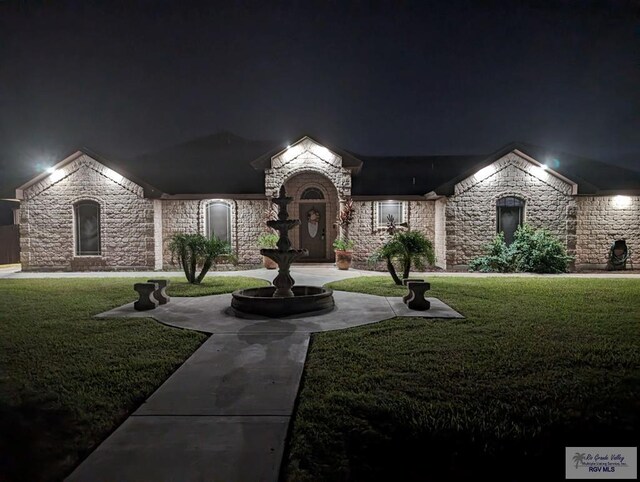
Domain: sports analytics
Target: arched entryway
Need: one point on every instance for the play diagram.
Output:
(315, 203)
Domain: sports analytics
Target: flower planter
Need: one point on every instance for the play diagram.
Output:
(269, 263)
(343, 259)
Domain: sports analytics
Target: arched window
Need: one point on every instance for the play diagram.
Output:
(87, 220)
(509, 215)
(312, 193)
(219, 221)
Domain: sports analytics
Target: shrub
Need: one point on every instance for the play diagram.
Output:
(539, 251)
(268, 240)
(499, 257)
(195, 250)
(533, 251)
(405, 248)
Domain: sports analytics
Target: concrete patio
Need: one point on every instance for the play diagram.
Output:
(224, 414)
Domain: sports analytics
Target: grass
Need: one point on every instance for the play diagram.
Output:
(537, 365)
(66, 379)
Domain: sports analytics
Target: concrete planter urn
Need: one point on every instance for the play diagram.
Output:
(268, 241)
(343, 259)
(268, 263)
(344, 252)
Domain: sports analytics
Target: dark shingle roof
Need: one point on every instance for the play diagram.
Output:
(228, 164)
(408, 175)
(219, 163)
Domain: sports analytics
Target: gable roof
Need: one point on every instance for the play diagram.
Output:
(230, 165)
(349, 160)
(591, 176)
(149, 190)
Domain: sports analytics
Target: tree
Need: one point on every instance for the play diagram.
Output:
(405, 249)
(195, 250)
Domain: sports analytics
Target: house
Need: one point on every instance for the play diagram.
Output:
(87, 213)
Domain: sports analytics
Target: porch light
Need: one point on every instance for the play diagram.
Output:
(622, 202)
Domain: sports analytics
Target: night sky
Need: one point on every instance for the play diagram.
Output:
(451, 77)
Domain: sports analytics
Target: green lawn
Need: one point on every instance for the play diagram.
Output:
(538, 364)
(67, 380)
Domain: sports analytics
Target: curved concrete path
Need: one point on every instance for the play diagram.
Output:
(224, 414)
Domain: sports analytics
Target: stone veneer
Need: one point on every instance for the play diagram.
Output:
(603, 220)
(471, 211)
(295, 186)
(368, 236)
(459, 226)
(47, 235)
(188, 216)
(307, 156)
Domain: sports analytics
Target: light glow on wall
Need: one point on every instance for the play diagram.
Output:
(485, 172)
(538, 171)
(113, 175)
(51, 170)
(622, 202)
(322, 152)
(56, 175)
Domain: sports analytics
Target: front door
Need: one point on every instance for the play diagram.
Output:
(313, 233)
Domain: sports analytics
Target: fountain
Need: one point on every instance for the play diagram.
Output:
(283, 298)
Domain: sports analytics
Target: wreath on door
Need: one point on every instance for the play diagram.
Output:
(313, 221)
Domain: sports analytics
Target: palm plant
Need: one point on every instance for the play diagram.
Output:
(195, 250)
(405, 249)
(578, 458)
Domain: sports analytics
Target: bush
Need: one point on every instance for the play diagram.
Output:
(532, 251)
(539, 251)
(405, 248)
(499, 257)
(268, 240)
(195, 250)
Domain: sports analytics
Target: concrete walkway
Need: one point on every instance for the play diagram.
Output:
(303, 274)
(225, 413)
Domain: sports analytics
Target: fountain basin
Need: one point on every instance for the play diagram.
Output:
(305, 299)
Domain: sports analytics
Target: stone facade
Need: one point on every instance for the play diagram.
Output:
(47, 234)
(601, 221)
(135, 231)
(307, 156)
(369, 235)
(471, 211)
(295, 186)
(189, 216)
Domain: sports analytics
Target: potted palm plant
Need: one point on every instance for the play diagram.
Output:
(344, 252)
(268, 241)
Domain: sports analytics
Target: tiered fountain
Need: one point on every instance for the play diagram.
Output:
(283, 298)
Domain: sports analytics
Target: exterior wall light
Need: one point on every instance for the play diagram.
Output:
(622, 202)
